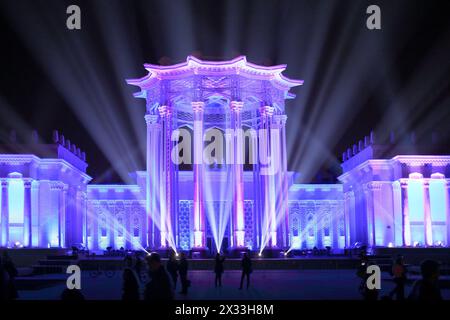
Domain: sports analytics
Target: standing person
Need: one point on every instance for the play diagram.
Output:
(128, 261)
(160, 286)
(218, 269)
(4, 278)
(130, 287)
(368, 294)
(399, 277)
(12, 273)
(183, 270)
(427, 289)
(246, 269)
(138, 266)
(172, 268)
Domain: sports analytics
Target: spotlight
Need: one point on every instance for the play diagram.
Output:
(260, 254)
(390, 245)
(17, 244)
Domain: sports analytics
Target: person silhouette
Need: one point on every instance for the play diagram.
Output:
(72, 295)
(128, 260)
(11, 270)
(368, 294)
(130, 287)
(218, 269)
(160, 285)
(172, 268)
(399, 277)
(183, 271)
(246, 270)
(427, 289)
(138, 266)
(4, 278)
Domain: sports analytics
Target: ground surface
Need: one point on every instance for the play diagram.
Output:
(267, 284)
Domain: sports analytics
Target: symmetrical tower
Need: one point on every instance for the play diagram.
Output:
(245, 102)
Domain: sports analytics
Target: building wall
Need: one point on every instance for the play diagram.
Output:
(402, 201)
(316, 216)
(42, 201)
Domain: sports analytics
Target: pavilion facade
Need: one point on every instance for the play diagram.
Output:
(216, 178)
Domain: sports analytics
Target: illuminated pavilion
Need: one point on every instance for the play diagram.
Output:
(243, 197)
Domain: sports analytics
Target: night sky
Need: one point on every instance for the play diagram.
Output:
(396, 78)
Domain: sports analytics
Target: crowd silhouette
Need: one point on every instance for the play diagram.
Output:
(149, 278)
(8, 273)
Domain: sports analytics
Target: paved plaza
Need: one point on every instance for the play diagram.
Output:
(266, 284)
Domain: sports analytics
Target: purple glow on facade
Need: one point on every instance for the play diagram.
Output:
(380, 202)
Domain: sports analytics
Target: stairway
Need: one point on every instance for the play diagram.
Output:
(54, 264)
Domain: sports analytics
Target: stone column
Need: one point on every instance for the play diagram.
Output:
(239, 157)
(427, 224)
(349, 200)
(95, 224)
(270, 225)
(35, 213)
(166, 180)
(27, 213)
(369, 213)
(405, 211)
(282, 182)
(85, 217)
(152, 180)
(62, 215)
(398, 213)
(199, 217)
(4, 213)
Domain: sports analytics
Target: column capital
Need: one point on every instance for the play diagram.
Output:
(27, 183)
(267, 110)
(4, 183)
(164, 111)
(151, 118)
(236, 106)
(197, 106)
(280, 119)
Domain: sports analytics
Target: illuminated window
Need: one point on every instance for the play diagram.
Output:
(103, 231)
(295, 227)
(136, 227)
(341, 227)
(326, 229)
(120, 227)
(310, 226)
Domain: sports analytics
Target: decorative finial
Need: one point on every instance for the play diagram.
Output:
(372, 137)
(55, 136)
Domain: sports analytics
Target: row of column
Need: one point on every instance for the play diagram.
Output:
(160, 184)
(421, 216)
(23, 223)
(47, 216)
(406, 212)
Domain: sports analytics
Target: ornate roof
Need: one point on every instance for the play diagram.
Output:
(193, 66)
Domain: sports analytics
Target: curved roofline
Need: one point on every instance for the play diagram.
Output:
(238, 65)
